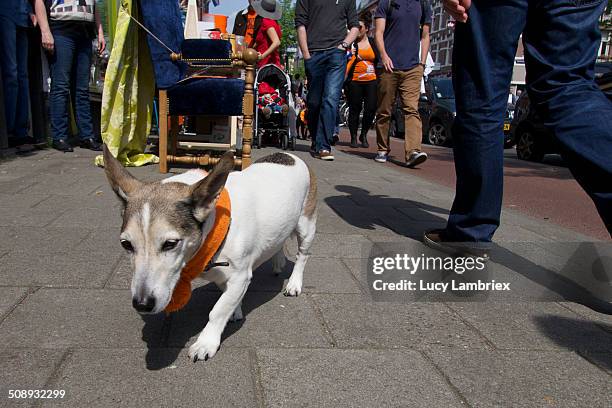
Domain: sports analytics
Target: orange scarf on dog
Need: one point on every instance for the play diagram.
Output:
(210, 246)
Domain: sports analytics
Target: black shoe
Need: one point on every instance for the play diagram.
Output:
(438, 239)
(364, 141)
(62, 146)
(354, 143)
(91, 144)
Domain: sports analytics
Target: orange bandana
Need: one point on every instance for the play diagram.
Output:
(197, 264)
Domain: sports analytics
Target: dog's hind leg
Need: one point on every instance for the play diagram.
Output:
(278, 262)
(305, 232)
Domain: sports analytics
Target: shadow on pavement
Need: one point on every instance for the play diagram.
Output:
(372, 213)
(166, 337)
(600, 354)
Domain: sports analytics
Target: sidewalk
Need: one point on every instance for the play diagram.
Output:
(66, 320)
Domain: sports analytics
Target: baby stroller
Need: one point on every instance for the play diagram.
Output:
(272, 125)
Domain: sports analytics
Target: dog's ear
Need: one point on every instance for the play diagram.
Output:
(205, 194)
(122, 182)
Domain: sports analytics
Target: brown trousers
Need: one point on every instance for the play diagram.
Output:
(409, 85)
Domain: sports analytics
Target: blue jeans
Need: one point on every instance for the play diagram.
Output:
(561, 39)
(14, 64)
(325, 73)
(70, 69)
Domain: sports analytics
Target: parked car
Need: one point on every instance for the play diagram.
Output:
(533, 140)
(437, 111)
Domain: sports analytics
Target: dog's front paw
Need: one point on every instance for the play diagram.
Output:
(293, 288)
(203, 349)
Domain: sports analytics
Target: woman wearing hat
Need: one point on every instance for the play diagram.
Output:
(267, 39)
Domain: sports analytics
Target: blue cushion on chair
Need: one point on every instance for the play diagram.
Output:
(163, 18)
(207, 96)
(210, 52)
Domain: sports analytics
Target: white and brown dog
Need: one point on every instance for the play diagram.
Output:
(166, 222)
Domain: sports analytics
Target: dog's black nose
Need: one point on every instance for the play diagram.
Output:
(145, 305)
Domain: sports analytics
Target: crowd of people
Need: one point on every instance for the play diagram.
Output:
(560, 46)
(378, 70)
(66, 35)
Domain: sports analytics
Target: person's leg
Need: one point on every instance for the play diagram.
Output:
(60, 66)
(369, 109)
(483, 57)
(409, 90)
(334, 78)
(355, 100)
(8, 63)
(82, 104)
(22, 112)
(387, 89)
(561, 42)
(315, 72)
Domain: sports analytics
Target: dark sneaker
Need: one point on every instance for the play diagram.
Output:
(416, 157)
(91, 144)
(381, 157)
(335, 139)
(325, 155)
(437, 239)
(62, 146)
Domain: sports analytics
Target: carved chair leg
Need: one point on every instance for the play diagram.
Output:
(163, 132)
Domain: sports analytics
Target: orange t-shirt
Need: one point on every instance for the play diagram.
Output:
(364, 70)
(250, 28)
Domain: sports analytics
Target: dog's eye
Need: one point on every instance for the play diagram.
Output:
(170, 244)
(127, 245)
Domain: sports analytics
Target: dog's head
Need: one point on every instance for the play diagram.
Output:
(162, 227)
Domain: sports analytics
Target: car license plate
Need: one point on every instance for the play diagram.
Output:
(506, 127)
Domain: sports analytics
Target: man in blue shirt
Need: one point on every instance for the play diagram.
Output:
(402, 29)
(14, 22)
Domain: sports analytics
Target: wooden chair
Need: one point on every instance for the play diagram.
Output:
(197, 77)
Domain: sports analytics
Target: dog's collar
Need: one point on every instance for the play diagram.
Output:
(208, 250)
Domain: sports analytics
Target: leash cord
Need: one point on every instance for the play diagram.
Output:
(149, 32)
(215, 264)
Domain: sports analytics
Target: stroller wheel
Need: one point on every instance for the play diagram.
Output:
(285, 141)
(292, 143)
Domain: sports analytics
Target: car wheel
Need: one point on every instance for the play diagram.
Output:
(437, 134)
(527, 147)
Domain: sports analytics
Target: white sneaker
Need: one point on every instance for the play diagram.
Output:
(381, 157)
(416, 158)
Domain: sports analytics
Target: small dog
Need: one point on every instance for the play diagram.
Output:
(165, 223)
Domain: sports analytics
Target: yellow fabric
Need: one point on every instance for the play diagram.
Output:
(129, 86)
(210, 246)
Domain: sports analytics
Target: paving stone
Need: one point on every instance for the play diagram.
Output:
(14, 201)
(271, 319)
(64, 185)
(29, 217)
(58, 268)
(321, 275)
(160, 378)
(534, 326)
(351, 378)
(357, 323)
(9, 296)
(529, 379)
(336, 245)
(45, 239)
(91, 218)
(26, 370)
(61, 318)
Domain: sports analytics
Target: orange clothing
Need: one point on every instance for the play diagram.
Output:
(210, 246)
(365, 69)
(250, 28)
